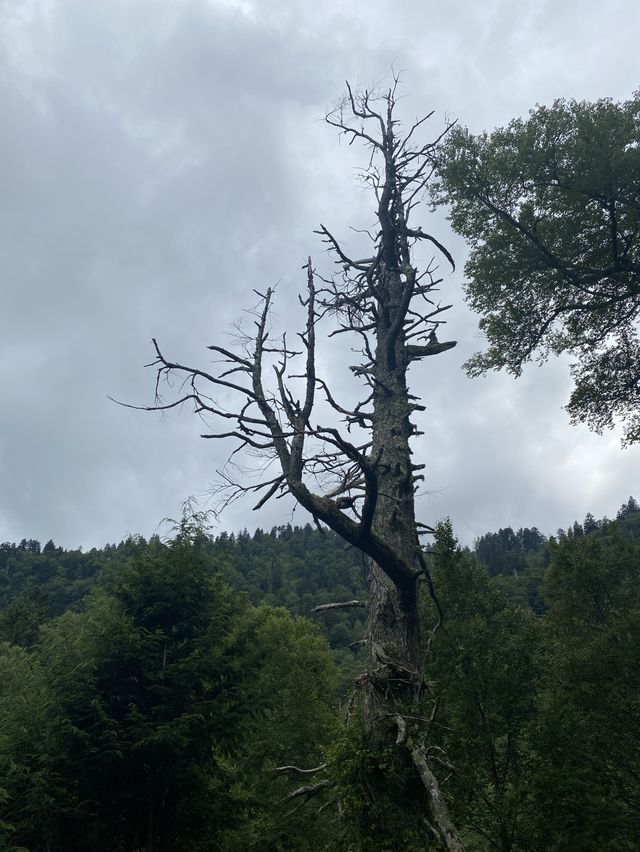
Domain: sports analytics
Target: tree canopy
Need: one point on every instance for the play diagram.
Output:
(153, 710)
(550, 206)
(153, 717)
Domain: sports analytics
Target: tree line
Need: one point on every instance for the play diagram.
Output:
(155, 695)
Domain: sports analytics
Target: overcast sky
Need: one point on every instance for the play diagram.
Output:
(159, 159)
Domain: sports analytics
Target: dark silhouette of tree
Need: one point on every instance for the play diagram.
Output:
(360, 480)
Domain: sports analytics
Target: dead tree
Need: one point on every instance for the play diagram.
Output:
(359, 479)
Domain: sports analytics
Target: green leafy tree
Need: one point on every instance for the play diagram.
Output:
(161, 711)
(32, 794)
(550, 207)
(20, 620)
(144, 691)
(588, 784)
(485, 673)
(287, 679)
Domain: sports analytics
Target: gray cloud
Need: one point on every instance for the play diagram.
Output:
(160, 159)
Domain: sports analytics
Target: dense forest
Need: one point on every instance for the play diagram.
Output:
(165, 694)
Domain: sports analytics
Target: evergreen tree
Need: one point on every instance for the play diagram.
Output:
(485, 673)
(588, 787)
(156, 712)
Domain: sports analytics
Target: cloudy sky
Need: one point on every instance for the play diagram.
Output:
(159, 159)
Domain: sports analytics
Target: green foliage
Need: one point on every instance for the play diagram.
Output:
(516, 561)
(142, 687)
(377, 786)
(484, 671)
(30, 737)
(507, 552)
(172, 669)
(295, 567)
(155, 713)
(589, 727)
(21, 619)
(289, 696)
(550, 207)
(299, 568)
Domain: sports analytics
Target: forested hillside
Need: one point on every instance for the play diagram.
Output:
(295, 567)
(148, 691)
(151, 712)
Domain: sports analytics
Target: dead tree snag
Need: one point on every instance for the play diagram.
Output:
(359, 480)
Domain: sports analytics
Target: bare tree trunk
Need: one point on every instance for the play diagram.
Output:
(393, 647)
(394, 656)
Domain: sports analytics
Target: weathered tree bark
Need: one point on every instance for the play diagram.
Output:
(370, 480)
(394, 623)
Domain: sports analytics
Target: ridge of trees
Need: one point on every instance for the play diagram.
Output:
(292, 566)
(158, 660)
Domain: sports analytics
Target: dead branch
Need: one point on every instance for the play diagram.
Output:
(307, 790)
(340, 605)
(282, 769)
(436, 803)
(416, 352)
